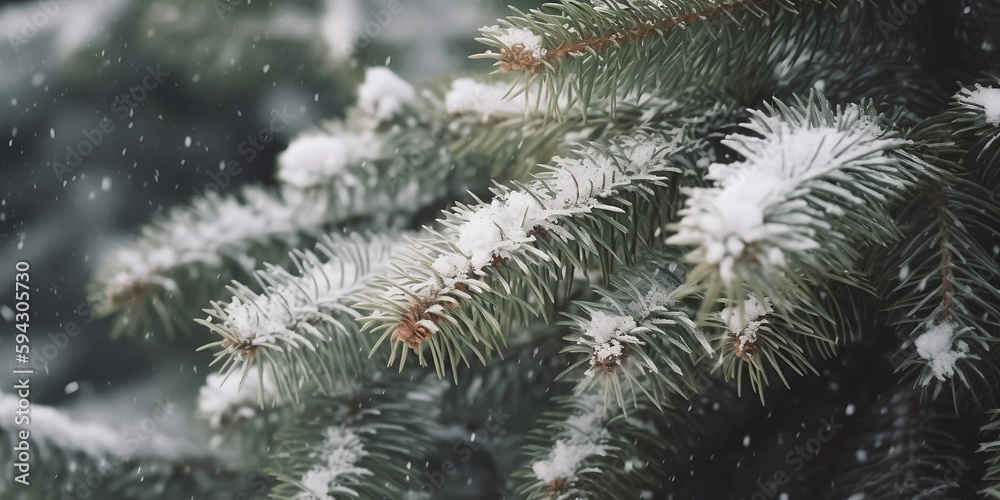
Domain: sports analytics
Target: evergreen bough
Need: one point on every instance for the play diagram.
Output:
(648, 205)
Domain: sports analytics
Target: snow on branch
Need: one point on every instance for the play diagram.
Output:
(814, 186)
(429, 282)
(585, 452)
(938, 346)
(362, 442)
(982, 99)
(372, 158)
(384, 95)
(300, 330)
(639, 335)
(616, 25)
(756, 340)
(337, 456)
(213, 236)
(945, 300)
(973, 124)
(227, 401)
(585, 51)
(59, 430)
(745, 325)
(583, 435)
(313, 159)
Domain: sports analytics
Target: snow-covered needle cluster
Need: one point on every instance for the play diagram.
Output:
(583, 436)
(745, 325)
(454, 264)
(807, 179)
(213, 233)
(289, 330)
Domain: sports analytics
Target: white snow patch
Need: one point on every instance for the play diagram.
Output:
(486, 99)
(338, 454)
(499, 228)
(288, 311)
(745, 326)
(315, 159)
(384, 94)
(522, 38)
(49, 424)
(201, 232)
(987, 98)
(607, 334)
(223, 402)
(937, 345)
(584, 437)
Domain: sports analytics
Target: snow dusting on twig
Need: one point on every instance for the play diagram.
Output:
(496, 230)
(223, 401)
(213, 227)
(338, 456)
(584, 435)
(608, 335)
(288, 313)
(744, 326)
(522, 48)
(488, 100)
(50, 425)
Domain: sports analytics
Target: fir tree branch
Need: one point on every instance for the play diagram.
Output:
(76, 459)
(813, 189)
(366, 442)
(906, 451)
(975, 120)
(301, 331)
(519, 54)
(587, 451)
(584, 52)
(946, 299)
(638, 336)
(423, 299)
(153, 281)
(991, 478)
